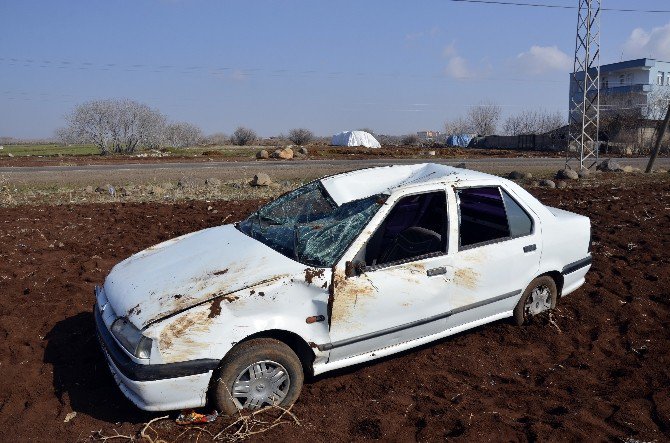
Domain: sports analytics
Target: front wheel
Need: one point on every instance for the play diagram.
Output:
(258, 373)
(540, 296)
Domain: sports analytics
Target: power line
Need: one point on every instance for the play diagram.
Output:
(544, 5)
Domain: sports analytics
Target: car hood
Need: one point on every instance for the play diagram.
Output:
(175, 275)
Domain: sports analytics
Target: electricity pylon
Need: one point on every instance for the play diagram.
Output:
(585, 89)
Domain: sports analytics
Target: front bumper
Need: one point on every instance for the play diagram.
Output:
(157, 387)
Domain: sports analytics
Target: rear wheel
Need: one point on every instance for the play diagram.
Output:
(258, 373)
(540, 296)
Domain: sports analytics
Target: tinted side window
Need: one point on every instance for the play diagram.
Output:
(481, 215)
(520, 223)
(415, 227)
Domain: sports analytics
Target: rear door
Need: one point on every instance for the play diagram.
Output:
(498, 243)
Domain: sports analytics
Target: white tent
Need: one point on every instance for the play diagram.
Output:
(355, 138)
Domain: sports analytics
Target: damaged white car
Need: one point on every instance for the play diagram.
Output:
(343, 270)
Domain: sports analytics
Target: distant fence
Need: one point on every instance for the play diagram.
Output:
(530, 142)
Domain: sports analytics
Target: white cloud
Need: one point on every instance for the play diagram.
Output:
(654, 43)
(449, 51)
(541, 59)
(458, 67)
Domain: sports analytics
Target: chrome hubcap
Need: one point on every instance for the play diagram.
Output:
(259, 384)
(538, 301)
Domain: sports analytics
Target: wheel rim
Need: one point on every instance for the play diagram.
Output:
(538, 301)
(262, 383)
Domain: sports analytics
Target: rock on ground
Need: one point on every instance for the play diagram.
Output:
(303, 150)
(561, 184)
(262, 154)
(547, 184)
(261, 179)
(285, 154)
(584, 173)
(567, 174)
(518, 175)
(609, 165)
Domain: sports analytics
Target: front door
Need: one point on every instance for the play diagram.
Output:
(399, 291)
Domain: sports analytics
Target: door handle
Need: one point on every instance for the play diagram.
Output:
(436, 271)
(529, 248)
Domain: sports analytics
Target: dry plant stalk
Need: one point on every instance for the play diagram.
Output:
(252, 424)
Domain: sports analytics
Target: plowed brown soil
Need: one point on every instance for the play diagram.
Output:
(598, 369)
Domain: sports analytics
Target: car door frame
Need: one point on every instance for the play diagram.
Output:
(345, 263)
(490, 304)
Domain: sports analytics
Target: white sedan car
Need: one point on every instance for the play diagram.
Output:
(343, 270)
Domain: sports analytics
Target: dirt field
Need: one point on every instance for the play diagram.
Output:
(599, 371)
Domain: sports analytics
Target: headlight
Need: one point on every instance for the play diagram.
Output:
(131, 338)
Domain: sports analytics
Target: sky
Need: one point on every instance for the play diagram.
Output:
(393, 66)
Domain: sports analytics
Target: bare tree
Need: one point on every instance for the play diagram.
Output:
(64, 135)
(182, 134)
(481, 119)
(120, 125)
(458, 126)
(533, 122)
(484, 118)
(657, 103)
(300, 136)
(243, 136)
(218, 138)
(410, 140)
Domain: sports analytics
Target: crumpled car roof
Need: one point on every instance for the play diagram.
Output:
(363, 183)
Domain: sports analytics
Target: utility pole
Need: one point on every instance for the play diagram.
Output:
(584, 111)
(657, 146)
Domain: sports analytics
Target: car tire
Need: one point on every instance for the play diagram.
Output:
(540, 296)
(258, 373)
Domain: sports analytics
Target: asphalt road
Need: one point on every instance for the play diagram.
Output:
(478, 163)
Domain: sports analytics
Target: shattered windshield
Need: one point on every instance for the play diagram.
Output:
(307, 225)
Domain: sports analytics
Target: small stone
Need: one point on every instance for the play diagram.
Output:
(516, 175)
(285, 154)
(111, 190)
(534, 184)
(263, 154)
(609, 165)
(567, 174)
(261, 179)
(209, 208)
(302, 150)
(432, 153)
(561, 184)
(584, 173)
(100, 190)
(70, 416)
(10, 154)
(547, 184)
(628, 169)
(89, 190)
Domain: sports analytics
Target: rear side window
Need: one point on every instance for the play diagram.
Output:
(520, 223)
(482, 215)
(489, 214)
